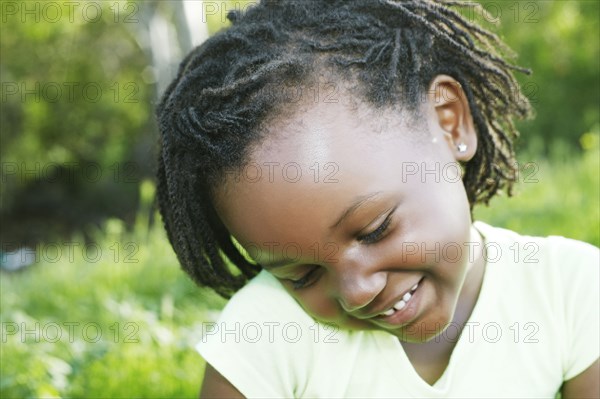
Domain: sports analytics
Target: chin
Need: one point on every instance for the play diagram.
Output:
(340, 319)
(422, 331)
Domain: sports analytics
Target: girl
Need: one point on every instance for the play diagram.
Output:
(321, 160)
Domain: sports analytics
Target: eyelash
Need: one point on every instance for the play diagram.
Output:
(370, 238)
(377, 234)
(304, 281)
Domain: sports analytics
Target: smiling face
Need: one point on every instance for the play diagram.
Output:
(361, 215)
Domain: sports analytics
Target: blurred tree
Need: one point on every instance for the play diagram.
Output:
(560, 42)
(79, 83)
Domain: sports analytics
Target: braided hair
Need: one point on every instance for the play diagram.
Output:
(215, 108)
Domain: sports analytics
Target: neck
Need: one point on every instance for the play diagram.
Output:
(430, 359)
(469, 293)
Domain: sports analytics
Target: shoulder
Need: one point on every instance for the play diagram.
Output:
(552, 267)
(259, 342)
(255, 313)
(558, 279)
(265, 345)
(567, 255)
(262, 297)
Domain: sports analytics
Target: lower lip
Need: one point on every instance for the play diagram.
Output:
(408, 312)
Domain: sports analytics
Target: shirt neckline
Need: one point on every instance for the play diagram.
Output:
(399, 359)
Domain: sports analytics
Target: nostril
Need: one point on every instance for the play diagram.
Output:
(355, 294)
(355, 306)
(350, 307)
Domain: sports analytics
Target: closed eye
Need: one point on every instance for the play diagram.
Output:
(308, 279)
(377, 234)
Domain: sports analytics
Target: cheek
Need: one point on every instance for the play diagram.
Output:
(318, 305)
(448, 231)
(327, 310)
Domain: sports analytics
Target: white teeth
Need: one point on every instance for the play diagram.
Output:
(400, 304)
(389, 312)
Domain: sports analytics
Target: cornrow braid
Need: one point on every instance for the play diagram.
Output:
(214, 110)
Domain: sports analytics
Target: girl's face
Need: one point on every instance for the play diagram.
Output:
(361, 216)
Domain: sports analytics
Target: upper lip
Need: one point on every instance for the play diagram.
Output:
(390, 303)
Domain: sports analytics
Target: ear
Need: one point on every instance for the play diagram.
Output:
(452, 117)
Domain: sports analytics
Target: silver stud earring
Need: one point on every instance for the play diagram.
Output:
(461, 147)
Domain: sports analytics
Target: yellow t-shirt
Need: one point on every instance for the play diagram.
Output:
(535, 325)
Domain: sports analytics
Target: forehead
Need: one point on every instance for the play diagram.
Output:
(312, 164)
(339, 134)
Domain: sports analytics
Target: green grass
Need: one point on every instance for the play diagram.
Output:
(146, 309)
(552, 198)
(150, 314)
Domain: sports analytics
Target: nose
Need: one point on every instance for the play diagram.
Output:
(358, 288)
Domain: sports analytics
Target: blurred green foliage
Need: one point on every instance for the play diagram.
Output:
(560, 42)
(552, 198)
(135, 315)
(76, 113)
(80, 96)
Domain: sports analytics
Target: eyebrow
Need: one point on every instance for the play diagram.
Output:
(357, 203)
